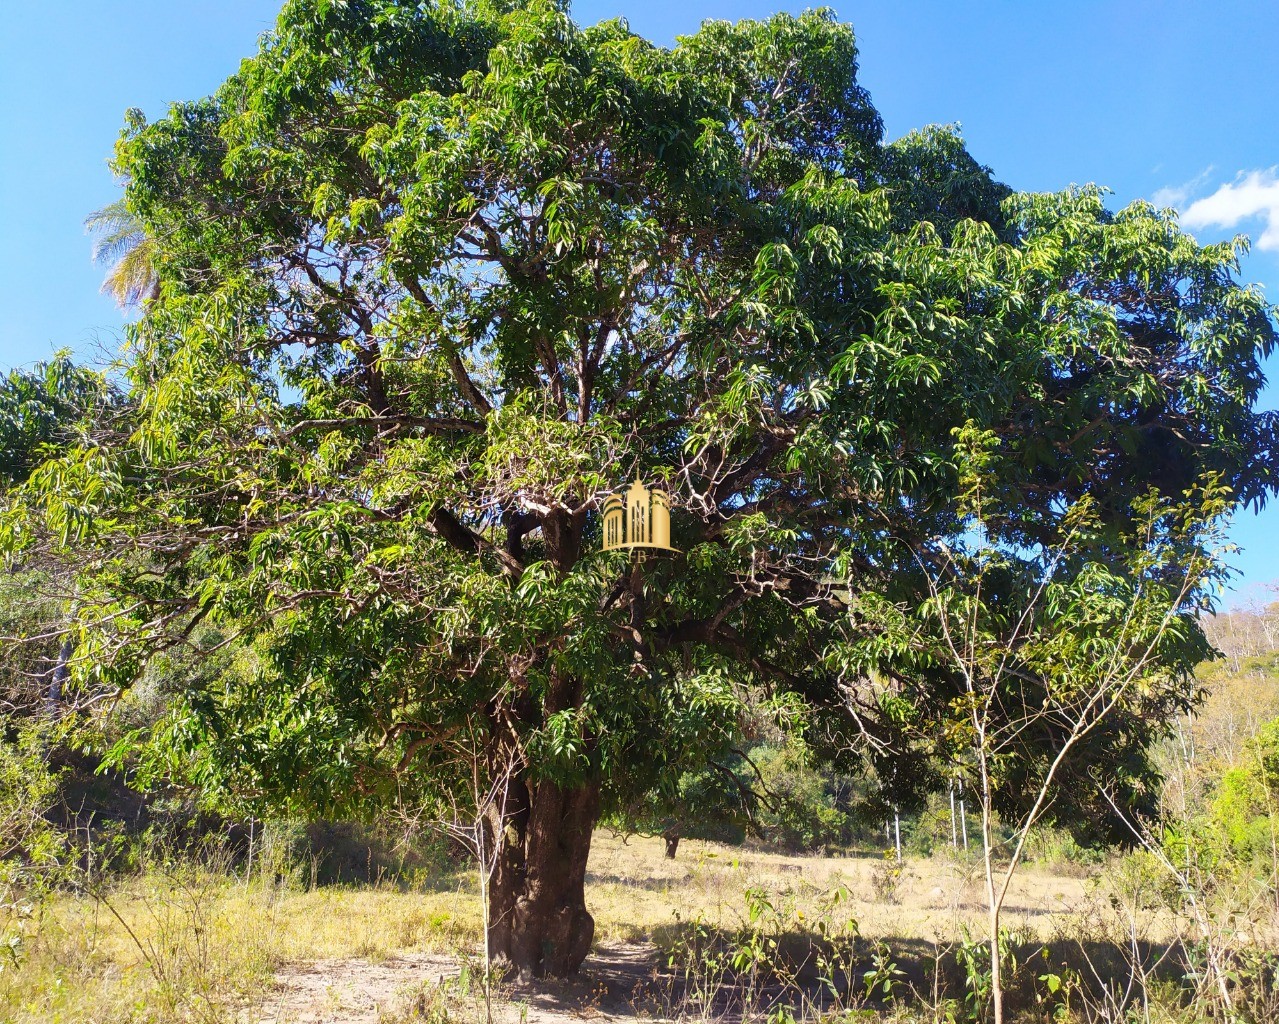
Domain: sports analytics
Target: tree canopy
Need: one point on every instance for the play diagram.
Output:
(41, 410)
(435, 278)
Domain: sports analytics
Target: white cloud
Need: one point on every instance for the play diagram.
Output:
(1251, 194)
(1176, 195)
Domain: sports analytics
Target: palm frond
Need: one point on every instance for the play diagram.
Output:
(132, 277)
(122, 242)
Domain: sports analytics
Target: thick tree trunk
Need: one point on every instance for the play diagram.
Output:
(537, 898)
(537, 894)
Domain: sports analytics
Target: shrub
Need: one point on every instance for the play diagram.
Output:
(32, 852)
(800, 815)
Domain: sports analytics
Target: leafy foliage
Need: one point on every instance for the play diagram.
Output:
(40, 409)
(434, 278)
(1046, 651)
(32, 852)
(1242, 813)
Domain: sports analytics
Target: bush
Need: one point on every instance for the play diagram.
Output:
(32, 852)
(1242, 812)
(801, 815)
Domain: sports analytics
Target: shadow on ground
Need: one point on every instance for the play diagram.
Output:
(625, 982)
(639, 980)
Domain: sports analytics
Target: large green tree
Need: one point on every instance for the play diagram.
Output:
(435, 277)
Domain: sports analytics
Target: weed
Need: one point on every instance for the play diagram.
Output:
(887, 878)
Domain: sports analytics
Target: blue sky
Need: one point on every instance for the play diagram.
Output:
(1168, 100)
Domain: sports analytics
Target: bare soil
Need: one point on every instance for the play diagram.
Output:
(614, 983)
(350, 991)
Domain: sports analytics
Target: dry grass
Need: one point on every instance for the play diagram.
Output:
(200, 945)
(633, 890)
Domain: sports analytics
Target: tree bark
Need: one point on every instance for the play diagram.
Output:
(58, 677)
(538, 919)
(537, 895)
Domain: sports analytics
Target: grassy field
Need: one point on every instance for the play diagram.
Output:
(635, 891)
(201, 944)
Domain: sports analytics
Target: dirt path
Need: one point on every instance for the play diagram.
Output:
(351, 991)
(613, 984)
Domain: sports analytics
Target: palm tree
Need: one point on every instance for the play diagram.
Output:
(123, 243)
